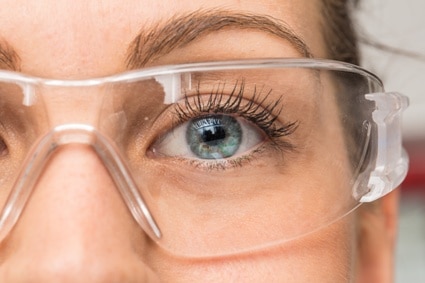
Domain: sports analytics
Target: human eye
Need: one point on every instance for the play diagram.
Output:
(223, 129)
(212, 136)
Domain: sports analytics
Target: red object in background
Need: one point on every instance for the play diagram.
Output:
(415, 179)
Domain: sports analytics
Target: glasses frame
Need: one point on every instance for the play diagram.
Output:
(388, 173)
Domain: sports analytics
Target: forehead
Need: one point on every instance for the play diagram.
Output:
(80, 39)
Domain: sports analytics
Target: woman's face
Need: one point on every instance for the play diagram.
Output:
(76, 228)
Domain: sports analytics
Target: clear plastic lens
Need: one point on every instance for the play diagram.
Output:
(215, 158)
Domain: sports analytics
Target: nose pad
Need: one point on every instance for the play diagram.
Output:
(75, 227)
(76, 134)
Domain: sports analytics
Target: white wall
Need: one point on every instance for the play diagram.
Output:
(399, 24)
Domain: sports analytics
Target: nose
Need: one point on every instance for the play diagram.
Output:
(75, 228)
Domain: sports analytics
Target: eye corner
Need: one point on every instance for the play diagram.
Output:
(4, 148)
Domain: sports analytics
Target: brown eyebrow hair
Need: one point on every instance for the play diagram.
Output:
(180, 31)
(9, 59)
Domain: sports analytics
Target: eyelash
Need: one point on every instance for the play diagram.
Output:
(220, 102)
(217, 103)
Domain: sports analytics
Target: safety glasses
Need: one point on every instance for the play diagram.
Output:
(213, 158)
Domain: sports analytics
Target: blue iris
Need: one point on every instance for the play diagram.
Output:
(214, 136)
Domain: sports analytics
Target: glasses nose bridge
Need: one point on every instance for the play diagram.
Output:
(72, 103)
(83, 134)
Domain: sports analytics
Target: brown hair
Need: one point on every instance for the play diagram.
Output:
(341, 40)
(339, 32)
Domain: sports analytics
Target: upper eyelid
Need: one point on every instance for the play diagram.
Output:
(217, 100)
(229, 95)
(258, 108)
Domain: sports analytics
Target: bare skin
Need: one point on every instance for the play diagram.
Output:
(100, 241)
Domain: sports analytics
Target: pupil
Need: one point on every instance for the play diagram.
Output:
(213, 135)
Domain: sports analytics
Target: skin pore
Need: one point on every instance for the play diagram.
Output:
(81, 231)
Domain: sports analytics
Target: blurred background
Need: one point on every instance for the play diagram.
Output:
(401, 25)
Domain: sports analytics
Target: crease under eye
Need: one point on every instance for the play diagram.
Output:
(3, 148)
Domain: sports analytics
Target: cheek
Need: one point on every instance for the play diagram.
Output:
(324, 256)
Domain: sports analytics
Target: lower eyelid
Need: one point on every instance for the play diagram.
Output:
(265, 154)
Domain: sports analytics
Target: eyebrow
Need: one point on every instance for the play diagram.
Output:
(9, 59)
(180, 31)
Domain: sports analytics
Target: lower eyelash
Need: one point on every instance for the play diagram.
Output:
(240, 161)
(225, 164)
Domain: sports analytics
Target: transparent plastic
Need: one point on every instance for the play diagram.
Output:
(213, 158)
